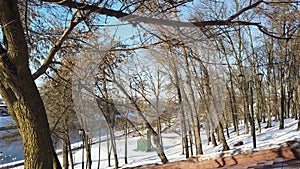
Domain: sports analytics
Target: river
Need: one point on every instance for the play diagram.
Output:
(11, 146)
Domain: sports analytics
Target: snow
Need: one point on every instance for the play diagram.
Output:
(268, 138)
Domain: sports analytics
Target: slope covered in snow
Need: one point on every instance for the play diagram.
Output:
(268, 138)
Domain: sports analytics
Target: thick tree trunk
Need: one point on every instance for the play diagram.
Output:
(21, 95)
(26, 107)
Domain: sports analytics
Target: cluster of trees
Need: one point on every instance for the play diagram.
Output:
(231, 62)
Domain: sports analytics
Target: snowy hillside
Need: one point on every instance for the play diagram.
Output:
(268, 138)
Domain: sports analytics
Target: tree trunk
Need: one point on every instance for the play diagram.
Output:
(87, 143)
(65, 154)
(282, 101)
(247, 111)
(207, 130)
(269, 124)
(212, 132)
(233, 106)
(191, 141)
(99, 149)
(298, 128)
(21, 95)
(193, 107)
(213, 138)
(259, 107)
(275, 95)
(27, 109)
(108, 147)
(217, 132)
(65, 144)
(222, 137)
(125, 136)
(159, 132)
(114, 146)
(184, 134)
(226, 124)
(70, 153)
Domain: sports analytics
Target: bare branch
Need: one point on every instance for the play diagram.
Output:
(244, 10)
(57, 46)
(136, 18)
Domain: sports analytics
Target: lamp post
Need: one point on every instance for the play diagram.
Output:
(82, 136)
(252, 122)
(260, 78)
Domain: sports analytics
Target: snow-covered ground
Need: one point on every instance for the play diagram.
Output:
(268, 138)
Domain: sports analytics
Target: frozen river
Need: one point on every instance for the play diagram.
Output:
(11, 145)
(10, 142)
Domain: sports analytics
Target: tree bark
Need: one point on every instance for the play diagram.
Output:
(233, 105)
(222, 137)
(108, 147)
(70, 153)
(65, 144)
(65, 154)
(99, 149)
(282, 101)
(21, 95)
(87, 143)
